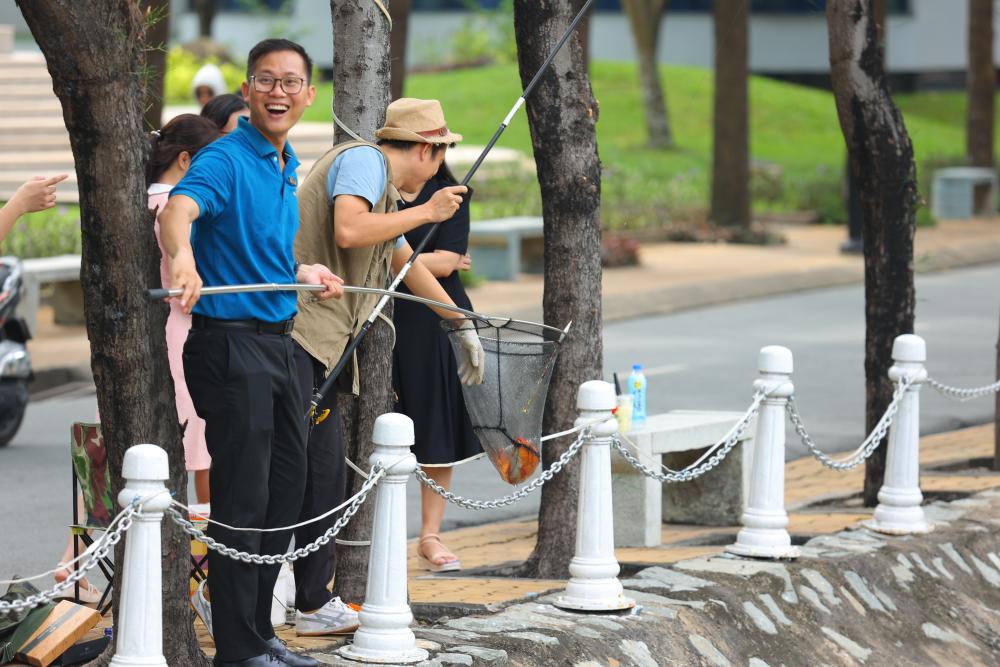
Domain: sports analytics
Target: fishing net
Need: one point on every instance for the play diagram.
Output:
(506, 409)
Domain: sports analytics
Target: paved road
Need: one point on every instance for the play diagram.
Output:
(702, 359)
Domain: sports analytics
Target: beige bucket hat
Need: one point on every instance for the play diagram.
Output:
(422, 121)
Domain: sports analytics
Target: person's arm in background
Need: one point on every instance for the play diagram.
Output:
(37, 194)
(442, 263)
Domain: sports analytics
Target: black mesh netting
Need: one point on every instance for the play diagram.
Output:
(506, 409)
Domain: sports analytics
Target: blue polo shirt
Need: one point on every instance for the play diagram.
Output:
(249, 214)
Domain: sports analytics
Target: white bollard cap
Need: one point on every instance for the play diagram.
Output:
(909, 348)
(145, 462)
(775, 359)
(393, 430)
(596, 395)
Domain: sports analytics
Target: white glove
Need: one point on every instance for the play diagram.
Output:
(472, 364)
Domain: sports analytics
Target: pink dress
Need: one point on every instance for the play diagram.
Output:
(195, 450)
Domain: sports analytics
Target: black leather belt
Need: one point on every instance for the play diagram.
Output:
(249, 326)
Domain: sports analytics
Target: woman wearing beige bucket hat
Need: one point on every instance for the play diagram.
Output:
(348, 214)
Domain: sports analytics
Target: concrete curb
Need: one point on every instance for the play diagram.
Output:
(46, 379)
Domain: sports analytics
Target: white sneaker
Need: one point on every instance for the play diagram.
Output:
(333, 618)
(202, 606)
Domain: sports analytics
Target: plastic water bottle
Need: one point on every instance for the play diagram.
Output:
(637, 387)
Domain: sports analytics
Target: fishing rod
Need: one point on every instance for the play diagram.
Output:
(356, 341)
(493, 320)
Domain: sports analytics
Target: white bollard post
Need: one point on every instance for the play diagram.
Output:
(594, 584)
(384, 634)
(899, 511)
(764, 533)
(140, 617)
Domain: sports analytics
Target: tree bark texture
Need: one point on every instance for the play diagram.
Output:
(398, 38)
(644, 18)
(731, 132)
(881, 158)
(583, 32)
(981, 85)
(361, 78)
(157, 17)
(562, 114)
(361, 67)
(94, 53)
(996, 416)
(206, 16)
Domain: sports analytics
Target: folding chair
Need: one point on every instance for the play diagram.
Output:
(90, 469)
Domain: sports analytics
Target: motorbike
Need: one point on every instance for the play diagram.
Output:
(15, 362)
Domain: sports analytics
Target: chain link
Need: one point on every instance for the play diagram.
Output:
(101, 547)
(518, 495)
(959, 394)
(374, 477)
(691, 473)
(867, 447)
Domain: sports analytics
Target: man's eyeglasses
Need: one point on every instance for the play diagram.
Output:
(265, 83)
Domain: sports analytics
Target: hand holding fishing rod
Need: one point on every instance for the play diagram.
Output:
(356, 341)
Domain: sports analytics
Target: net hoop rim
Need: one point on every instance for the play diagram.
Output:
(488, 319)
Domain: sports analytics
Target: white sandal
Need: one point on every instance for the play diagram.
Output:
(447, 566)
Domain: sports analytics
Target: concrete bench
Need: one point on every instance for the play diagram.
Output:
(64, 271)
(964, 192)
(677, 439)
(502, 248)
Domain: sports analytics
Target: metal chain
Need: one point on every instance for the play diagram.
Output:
(101, 547)
(870, 443)
(689, 474)
(959, 394)
(518, 495)
(374, 477)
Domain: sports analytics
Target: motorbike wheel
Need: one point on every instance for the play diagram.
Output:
(13, 400)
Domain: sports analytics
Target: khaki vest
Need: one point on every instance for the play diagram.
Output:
(324, 328)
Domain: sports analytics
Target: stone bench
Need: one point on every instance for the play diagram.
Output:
(677, 439)
(502, 248)
(963, 192)
(64, 271)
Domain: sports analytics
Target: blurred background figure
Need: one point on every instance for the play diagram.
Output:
(208, 82)
(36, 194)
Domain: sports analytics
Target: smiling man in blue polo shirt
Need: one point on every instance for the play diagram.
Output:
(240, 195)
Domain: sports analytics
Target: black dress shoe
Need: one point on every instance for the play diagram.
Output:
(269, 659)
(289, 657)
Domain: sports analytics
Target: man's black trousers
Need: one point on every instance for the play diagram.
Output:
(326, 481)
(244, 385)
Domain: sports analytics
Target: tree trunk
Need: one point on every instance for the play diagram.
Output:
(644, 17)
(996, 416)
(361, 76)
(981, 85)
(881, 158)
(400, 31)
(94, 53)
(583, 33)
(731, 142)
(157, 17)
(206, 15)
(562, 113)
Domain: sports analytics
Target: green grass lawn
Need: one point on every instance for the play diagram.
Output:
(794, 130)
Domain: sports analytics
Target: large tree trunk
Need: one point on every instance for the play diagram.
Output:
(206, 16)
(94, 52)
(157, 17)
(981, 85)
(361, 77)
(400, 32)
(731, 135)
(996, 416)
(562, 113)
(644, 17)
(881, 158)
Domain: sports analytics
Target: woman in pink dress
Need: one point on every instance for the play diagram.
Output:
(170, 155)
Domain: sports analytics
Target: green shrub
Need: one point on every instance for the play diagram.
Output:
(55, 231)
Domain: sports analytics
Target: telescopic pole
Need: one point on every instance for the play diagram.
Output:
(338, 369)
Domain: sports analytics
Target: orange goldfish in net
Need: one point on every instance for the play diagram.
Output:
(516, 463)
